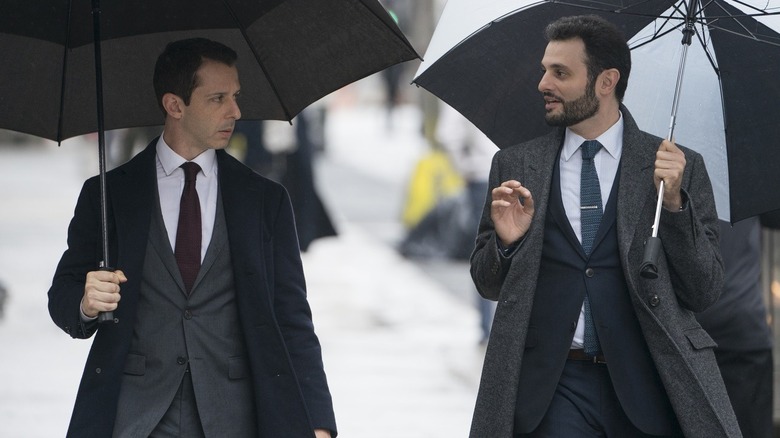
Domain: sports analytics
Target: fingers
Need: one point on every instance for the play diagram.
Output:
(669, 168)
(510, 192)
(102, 291)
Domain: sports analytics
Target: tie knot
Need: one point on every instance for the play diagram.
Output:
(191, 170)
(589, 149)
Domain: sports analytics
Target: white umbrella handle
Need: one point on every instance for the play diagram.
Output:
(658, 207)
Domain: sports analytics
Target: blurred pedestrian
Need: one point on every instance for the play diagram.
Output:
(285, 153)
(122, 143)
(738, 323)
(3, 299)
(471, 152)
(581, 345)
(213, 335)
(391, 76)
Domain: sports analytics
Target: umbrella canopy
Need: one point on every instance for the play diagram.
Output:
(71, 67)
(291, 53)
(483, 60)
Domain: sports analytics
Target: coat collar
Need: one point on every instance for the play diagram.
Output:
(636, 179)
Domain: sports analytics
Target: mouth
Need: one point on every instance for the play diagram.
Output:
(551, 101)
(226, 132)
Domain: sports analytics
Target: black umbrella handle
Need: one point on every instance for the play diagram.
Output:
(649, 267)
(106, 316)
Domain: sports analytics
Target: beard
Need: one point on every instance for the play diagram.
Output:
(577, 110)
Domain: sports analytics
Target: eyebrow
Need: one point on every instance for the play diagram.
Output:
(556, 65)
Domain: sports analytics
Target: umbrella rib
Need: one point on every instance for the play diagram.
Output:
(761, 12)
(233, 15)
(657, 35)
(64, 74)
(748, 34)
(622, 10)
(708, 54)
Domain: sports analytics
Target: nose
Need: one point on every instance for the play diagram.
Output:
(235, 111)
(543, 83)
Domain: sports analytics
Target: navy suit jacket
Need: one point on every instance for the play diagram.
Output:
(291, 391)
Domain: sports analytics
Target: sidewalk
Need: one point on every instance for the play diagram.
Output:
(400, 350)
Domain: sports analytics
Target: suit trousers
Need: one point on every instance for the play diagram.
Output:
(181, 420)
(585, 405)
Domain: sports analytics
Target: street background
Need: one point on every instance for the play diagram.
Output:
(400, 337)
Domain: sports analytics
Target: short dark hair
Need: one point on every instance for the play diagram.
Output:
(176, 67)
(605, 45)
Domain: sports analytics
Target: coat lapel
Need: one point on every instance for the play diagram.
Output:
(636, 170)
(132, 191)
(158, 238)
(241, 217)
(540, 157)
(216, 245)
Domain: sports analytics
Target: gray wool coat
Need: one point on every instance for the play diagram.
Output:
(689, 280)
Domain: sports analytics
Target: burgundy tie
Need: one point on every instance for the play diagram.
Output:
(188, 235)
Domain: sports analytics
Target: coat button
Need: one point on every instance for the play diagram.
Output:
(654, 301)
(98, 370)
(181, 360)
(589, 272)
(187, 314)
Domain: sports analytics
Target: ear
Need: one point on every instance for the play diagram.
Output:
(173, 105)
(607, 81)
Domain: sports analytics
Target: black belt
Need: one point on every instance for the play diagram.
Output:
(580, 355)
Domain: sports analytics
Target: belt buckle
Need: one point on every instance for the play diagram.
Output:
(597, 359)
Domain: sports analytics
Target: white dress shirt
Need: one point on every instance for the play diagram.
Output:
(170, 185)
(606, 162)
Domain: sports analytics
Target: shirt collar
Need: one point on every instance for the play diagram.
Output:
(611, 140)
(171, 161)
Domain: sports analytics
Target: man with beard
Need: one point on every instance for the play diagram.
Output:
(581, 344)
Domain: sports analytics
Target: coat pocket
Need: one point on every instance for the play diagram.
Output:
(700, 339)
(135, 365)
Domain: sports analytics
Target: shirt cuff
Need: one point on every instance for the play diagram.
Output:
(84, 317)
(507, 251)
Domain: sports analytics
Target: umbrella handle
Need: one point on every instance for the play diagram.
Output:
(106, 316)
(649, 266)
(653, 246)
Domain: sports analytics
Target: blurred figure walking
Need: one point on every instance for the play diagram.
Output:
(471, 152)
(738, 323)
(285, 154)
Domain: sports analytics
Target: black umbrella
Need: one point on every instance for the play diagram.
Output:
(728, 104)
(72, 67)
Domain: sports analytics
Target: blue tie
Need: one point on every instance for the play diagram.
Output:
(590, 218)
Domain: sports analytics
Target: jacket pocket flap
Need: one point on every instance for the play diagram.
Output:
(135, 365)
(700, 339)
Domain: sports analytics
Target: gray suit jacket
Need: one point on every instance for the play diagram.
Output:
(176, 331)
(690, 279)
